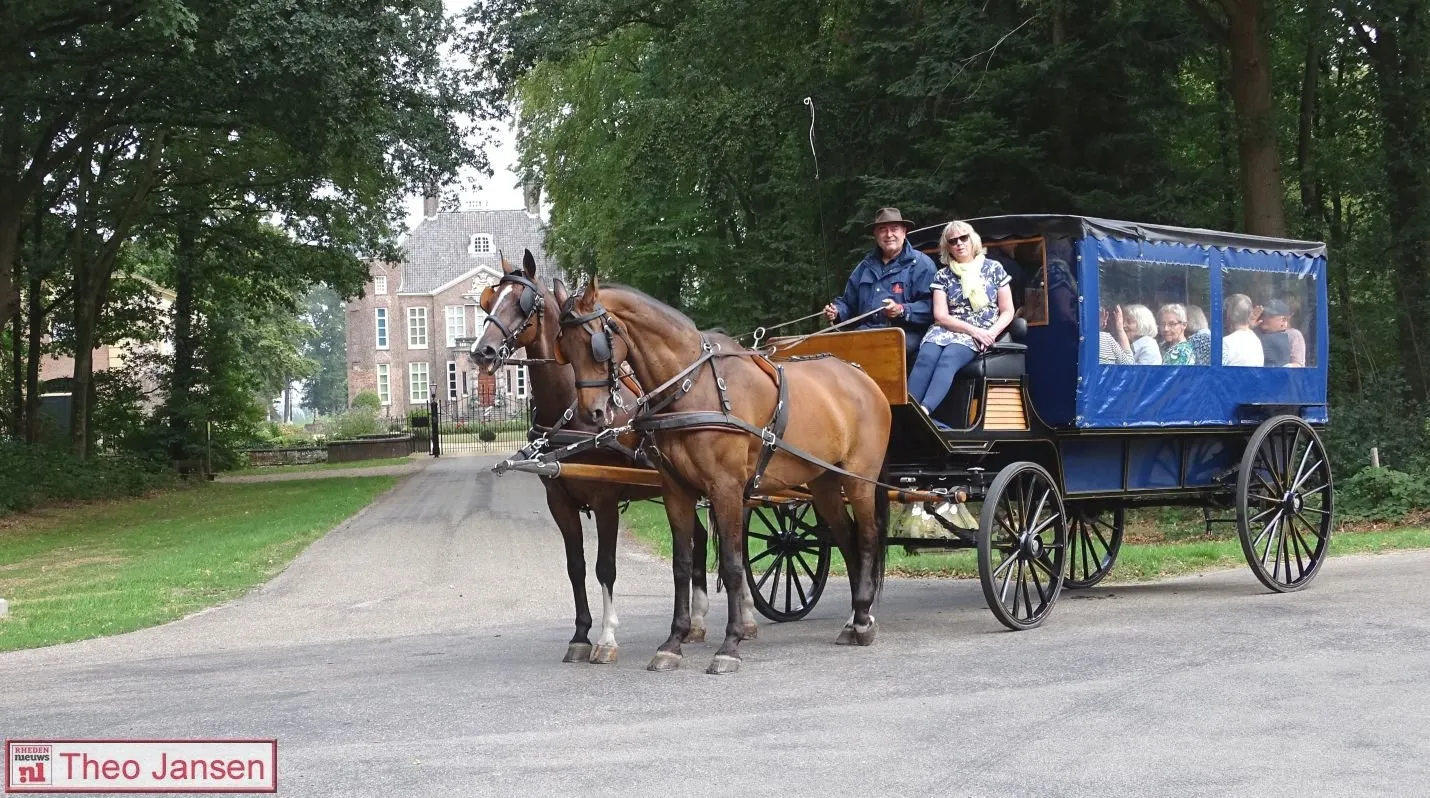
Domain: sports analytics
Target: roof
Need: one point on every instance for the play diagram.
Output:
(1076, 227)
(436, 252)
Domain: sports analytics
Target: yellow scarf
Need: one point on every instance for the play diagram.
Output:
(970, 279)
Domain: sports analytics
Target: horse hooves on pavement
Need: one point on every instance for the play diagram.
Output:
(578, 652)
(604, 655)
(865, 637)
(695, 635)
(846, 637)
(723, 663)
(664, 661)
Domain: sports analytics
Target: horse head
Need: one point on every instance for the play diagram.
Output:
(591, 341)
(515, 309)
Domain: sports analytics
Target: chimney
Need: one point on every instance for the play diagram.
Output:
(429, 204)
(532, 192)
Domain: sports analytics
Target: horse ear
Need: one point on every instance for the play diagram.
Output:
(588, 295)
(505, 267)
(528, 264)
(558, 291)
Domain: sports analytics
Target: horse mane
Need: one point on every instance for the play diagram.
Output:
(716, 334)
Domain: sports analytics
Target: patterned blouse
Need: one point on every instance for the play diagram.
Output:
(994, 278)
(1178, 354)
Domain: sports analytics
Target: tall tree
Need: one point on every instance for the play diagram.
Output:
(326, 392)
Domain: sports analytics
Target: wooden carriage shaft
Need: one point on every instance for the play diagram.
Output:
(646, 477)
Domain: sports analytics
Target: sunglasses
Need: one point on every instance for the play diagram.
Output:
(959, 239)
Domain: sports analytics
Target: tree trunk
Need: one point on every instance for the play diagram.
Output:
(181, 380)
(1305, 134)
(17, 372)
(1262, 208)
(36, 315)
(11, 223)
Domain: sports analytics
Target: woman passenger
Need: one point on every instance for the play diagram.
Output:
(1199, 334)
(1136, 331)
(972, 305)
(1172, 328)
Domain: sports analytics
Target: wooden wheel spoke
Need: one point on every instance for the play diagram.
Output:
(762, 555)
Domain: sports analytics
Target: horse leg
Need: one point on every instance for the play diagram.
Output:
(862, 498)
(699, 595)
(568, 519)
(829, 503)
(680, 512)
(727, 509)
(608, 520)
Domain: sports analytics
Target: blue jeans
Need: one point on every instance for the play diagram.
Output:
(934, 370)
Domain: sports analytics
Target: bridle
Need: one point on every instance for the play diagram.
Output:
(602, 345)
(531, 304)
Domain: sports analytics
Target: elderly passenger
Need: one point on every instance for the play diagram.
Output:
(1240, 347)
(1136, 332)
(1199, 334)
(1172, 335)
(972, 305)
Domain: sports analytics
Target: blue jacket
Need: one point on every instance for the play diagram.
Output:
(905, 279)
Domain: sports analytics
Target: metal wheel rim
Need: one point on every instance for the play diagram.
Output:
(1285, 504)
(1094, 540)
(1022, 503)
(792, 561)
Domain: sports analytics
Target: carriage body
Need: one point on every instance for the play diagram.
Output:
(1043, 412)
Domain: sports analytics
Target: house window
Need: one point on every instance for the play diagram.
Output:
(379, 285)
(382, 328)
(416, 382)
(480, 318)
(456, 324)
(516, 382)
(452, 380)
(417, 328)
(481, 244)
(384, 383)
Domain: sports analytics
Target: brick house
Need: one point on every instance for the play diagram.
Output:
(404, 335)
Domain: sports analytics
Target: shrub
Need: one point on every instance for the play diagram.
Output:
(355, 422)
(1382, 494)
(487, 435)
(367, 399)
(34, 475)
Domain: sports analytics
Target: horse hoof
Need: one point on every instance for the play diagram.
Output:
(578, 652)
(865, 637)
(846, 637)
(695, 635)
(750, 632)
(664, 661)
(604, 655)
(723, 663)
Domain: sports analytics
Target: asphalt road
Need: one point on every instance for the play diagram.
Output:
(416, 652)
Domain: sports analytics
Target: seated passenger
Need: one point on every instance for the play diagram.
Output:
(893, 276)
(1135, 332)
(972, 305)
(1240, 347)
(1271, 327)
(1109, 352)
(1172, 328)
(1199, 334)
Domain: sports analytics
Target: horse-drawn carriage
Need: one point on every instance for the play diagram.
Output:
(1052, 440)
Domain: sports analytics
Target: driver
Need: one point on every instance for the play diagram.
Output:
(894, 277)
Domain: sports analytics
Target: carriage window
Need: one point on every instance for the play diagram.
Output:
(1153, 313)
(1270, 315)
(1025, 261)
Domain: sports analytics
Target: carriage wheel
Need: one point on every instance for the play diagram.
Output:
(1284, 503)
(1022, 545)
(1094, 539)
(787, 556)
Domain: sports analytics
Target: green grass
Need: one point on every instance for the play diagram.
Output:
(289, 469)
(1161, 543)
(106, 568)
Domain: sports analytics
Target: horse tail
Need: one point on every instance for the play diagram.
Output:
(881, 521)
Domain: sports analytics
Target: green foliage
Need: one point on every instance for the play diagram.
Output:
(354, 423)
(368, 400)
(1380, 417)
(1383, 494)
(487, 435)
(32, 476)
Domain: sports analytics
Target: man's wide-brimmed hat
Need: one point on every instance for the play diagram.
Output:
(890, 216)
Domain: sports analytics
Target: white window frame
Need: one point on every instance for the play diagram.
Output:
(417, 327)
(452, 380)
(379, 285)
(521, 382)
(413, 370)
(479, 318)
(381, 329)
(456, 324)
(384, 384)
(479, 244)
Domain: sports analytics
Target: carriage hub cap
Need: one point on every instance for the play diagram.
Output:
(1031, 545)
(1292, 501)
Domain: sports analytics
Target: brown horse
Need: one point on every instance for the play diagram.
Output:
(522, 313)
(836, 413)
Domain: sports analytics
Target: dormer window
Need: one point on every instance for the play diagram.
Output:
(481, 244)
(379, 285)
